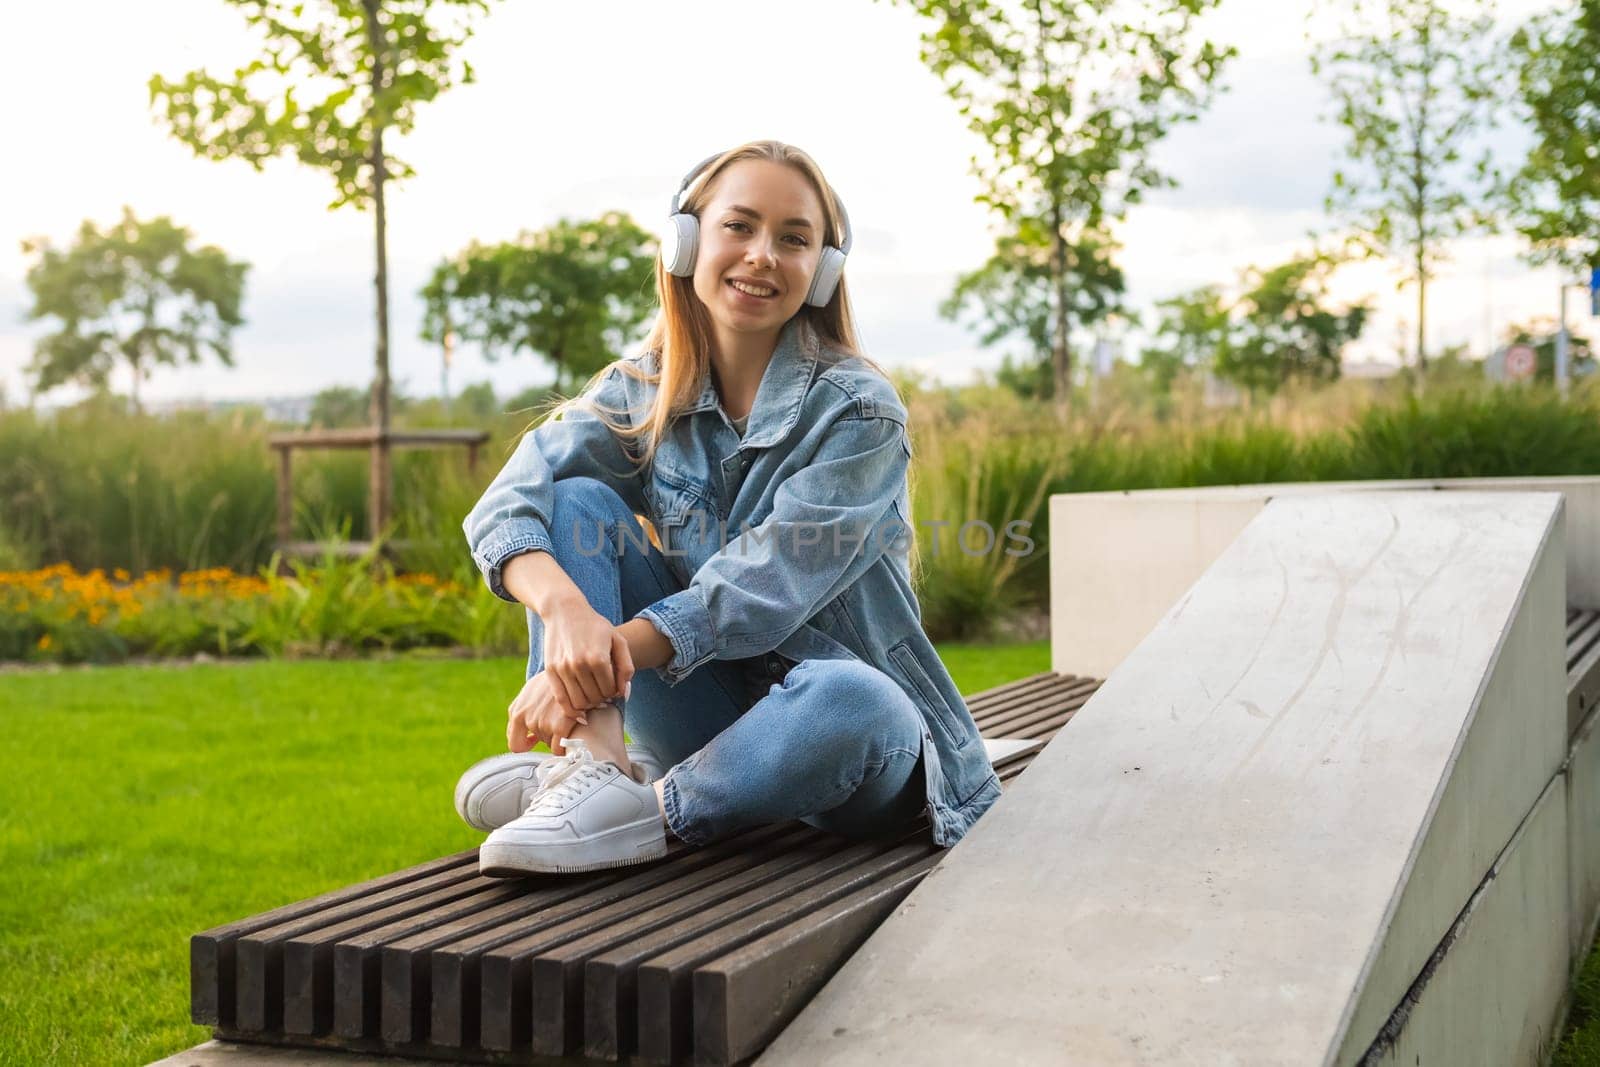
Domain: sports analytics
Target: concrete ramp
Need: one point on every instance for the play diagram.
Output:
(1316, 816)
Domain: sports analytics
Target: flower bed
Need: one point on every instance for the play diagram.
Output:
(63, 616)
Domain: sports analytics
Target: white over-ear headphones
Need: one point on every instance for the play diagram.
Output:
(680, 240)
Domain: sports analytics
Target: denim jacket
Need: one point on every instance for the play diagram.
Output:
(790, 540)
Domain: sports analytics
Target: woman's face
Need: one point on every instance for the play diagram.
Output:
(761, 228)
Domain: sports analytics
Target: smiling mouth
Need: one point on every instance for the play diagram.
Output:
(759, 292)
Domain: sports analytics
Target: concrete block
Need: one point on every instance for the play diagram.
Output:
(1494, 993)
(1119, 561)
(1208, 869)
(1583, 830)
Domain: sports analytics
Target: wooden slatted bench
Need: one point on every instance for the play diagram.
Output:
(707, 953)
(1583, 665)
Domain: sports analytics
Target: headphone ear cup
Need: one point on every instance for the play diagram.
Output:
(826, 278)
(678, 244)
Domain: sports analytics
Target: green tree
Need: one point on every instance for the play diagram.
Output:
(1193, 331)
(1071, 98)
(1555, 197)
(335, 77)
(1412, 84)
(136, 292)
(1283, 327)
(574, 294)
(477, 401)
(1013, 294)
(338, 407)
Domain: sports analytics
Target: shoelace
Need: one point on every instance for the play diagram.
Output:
(563, 778)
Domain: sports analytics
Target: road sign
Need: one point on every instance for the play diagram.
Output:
(1520, 362)
(1594, 292)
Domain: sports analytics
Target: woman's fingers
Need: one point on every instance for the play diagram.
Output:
(623, 660)
(596, 682)
(517, 735)
(568, 699)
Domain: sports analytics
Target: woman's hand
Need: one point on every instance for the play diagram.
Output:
(587, 658)
(535, 715)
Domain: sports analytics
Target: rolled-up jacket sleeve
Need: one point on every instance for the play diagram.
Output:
(830, 521)
(513, 515)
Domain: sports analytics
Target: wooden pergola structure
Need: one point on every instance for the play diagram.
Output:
(380, 506)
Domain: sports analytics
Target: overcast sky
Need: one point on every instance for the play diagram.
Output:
(583, 108)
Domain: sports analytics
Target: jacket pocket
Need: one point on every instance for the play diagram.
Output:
(946, 720)
(682, 507)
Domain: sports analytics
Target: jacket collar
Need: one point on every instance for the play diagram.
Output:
(782, 390)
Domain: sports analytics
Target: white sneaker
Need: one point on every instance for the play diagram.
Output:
(585, 816)
(496, 790)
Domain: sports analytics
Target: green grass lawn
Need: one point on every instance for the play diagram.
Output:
(139, 805)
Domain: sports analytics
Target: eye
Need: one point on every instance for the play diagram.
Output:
(800, 242)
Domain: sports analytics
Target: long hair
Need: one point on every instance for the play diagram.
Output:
(680, 337)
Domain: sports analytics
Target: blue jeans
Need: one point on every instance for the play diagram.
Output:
(834, 743)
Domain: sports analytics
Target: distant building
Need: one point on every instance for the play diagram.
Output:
(292, 410)
(1369, 370)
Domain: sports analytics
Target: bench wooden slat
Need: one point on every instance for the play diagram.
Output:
(406, 961)
(558, 972)
(664, 1017)
(506, 972)
(211, 952)
(1017, 723)
(258, 956)
(610, 978)
(1583, 669)
(453, 961)
(744, 999)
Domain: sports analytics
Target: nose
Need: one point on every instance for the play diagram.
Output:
(759, 253)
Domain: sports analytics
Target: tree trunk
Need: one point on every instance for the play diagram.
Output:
(379, 498)
(1422, 321)
(1060, 353)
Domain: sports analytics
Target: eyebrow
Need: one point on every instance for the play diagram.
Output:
(754, 214)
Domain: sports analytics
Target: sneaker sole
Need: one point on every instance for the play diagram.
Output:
(511, 859)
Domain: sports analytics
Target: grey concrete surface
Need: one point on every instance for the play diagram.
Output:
(1495, 994)
(1119, 561)
(1205, 867)
(235, 1054)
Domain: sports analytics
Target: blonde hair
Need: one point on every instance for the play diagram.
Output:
(680, 337)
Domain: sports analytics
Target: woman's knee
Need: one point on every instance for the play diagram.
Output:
(584, 512)
(853, 699)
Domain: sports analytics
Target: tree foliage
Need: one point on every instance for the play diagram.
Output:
(574, 294)
(1555, 197)
(1194, 332)
(333, 78)
(1012, 295)
(339, 407)
(321, 91)
(1282, 326)
(1413, 85)
(1070, 97)
(136, 292)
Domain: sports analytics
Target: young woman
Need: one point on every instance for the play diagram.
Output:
(769, 656)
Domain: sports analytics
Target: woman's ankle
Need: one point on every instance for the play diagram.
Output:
(603, 735)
